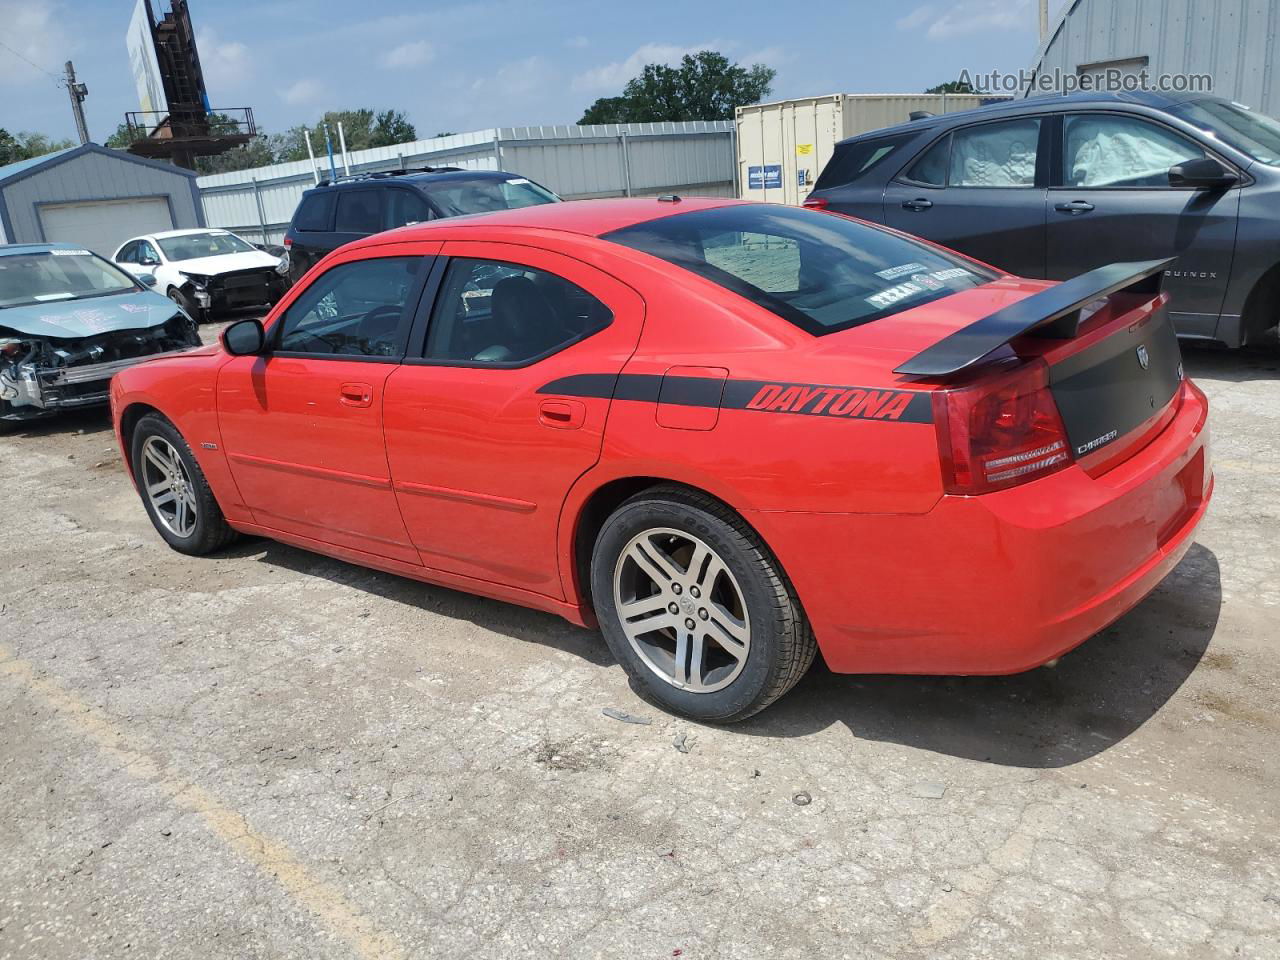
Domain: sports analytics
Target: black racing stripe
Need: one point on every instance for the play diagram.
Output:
(765, 396)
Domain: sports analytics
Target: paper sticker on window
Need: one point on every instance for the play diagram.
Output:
(887, 298)
(955, 273)
(892, 273)
(70, 253)
(519, 180)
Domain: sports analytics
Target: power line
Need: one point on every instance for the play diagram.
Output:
(52, 76)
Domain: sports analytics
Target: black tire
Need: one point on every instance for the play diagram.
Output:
(210, 531)
(188, 305)
(781, 645)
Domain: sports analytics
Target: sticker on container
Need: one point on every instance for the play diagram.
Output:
(70, 253)
(804, 149)
(892, 273)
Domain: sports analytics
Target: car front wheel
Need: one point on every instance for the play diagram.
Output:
(174, 491)
(188, 305)
(696, 608)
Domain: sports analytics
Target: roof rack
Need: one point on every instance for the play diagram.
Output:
(382, 174)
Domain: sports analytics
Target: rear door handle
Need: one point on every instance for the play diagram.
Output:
(918, 205)
(562, 414)
(355, 394)
(1074, 207)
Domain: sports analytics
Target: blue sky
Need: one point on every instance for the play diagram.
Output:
(466, 66)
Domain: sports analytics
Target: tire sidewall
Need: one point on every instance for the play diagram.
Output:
(153, 426)
(762, 666)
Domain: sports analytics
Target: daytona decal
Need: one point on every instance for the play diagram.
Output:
(808, 399)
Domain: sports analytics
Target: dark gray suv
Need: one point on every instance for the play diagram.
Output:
(1054, 186)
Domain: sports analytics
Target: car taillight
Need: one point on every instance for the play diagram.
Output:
(815, 203)
(288, 241)
(1000, 431)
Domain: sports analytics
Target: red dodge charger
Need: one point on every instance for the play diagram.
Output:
(730, 434)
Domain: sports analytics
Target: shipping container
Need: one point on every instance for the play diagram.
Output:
(783, 146)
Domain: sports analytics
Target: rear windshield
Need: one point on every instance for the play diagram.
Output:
(820, 271)
(852, 160)
(455, 197)
(193, 246)
(29, 278)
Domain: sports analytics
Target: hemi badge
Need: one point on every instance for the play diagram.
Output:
(209, 446)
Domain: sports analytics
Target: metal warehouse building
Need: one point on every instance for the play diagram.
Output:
(95, 197)
(608, 160)
(1236, 42)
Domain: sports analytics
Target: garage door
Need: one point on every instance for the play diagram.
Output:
(102, 225)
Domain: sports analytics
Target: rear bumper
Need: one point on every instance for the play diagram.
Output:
(1003, 582)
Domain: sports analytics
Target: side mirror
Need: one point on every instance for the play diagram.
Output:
(146, 279)
(244, 338)
(1203, 173)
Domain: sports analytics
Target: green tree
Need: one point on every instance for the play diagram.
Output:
(953, 86)
(705, 86)
(25, 145)
(124, 136)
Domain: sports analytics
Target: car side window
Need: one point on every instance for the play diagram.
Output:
(353, 309)
(128, 253)
(1108, 150)
(931, 168)
(1001, 154)
(404, 207)
(492, 312)
(359, 211)
(315, 213)
(147, 253)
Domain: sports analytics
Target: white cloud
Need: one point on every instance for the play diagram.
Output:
(612, 77)
(769, 56)
(579, 42)
(302, 92)
(968, 16)
(413, 54)
(226, 66)
(35, 31)
(518, 80)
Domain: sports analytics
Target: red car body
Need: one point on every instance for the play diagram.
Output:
(494, 481)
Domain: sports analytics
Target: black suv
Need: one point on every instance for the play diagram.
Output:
(333, 213)
(1054, 186)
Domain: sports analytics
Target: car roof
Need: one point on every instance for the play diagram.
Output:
(590, 218)
(14, 249)
(417, 177)
(166, 234)
(1030, 105)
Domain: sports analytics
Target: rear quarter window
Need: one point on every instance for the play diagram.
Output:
(851, 161)
(315, 213)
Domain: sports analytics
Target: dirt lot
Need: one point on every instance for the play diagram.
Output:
(269, 754)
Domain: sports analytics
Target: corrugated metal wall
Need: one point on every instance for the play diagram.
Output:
(1234, 41)
(94, 176)
(609, 160)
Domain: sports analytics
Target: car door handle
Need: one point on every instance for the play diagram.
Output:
(355, 394)
(919, 204)
(1074, 207)
(562, 414)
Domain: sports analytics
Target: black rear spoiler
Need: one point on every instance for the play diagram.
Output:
(1054, 313)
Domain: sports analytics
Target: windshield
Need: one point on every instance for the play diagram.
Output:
(1235, 125)
(484, 194)
(193, 246)
(820, 271)
(47, 277)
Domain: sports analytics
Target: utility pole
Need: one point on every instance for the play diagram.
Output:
(77, 91)
(1044, 19)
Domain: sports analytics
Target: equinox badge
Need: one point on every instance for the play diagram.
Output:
(1143, 357)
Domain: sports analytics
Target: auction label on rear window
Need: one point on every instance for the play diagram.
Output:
(902, 270)
(70, 253)
(887, 298)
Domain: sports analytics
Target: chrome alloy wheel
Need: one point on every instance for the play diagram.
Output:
(682, 610)
(168, 486)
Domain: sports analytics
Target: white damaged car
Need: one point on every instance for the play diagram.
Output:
(206, 270)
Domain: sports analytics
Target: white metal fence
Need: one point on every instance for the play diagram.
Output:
(610, 160)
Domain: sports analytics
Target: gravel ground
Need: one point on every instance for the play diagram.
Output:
(268, 754)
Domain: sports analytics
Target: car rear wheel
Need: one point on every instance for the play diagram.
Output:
(174, 491)
(696, 608)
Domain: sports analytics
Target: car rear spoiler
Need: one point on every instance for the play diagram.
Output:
(1052, 313)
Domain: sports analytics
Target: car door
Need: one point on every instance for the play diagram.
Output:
(1112, 202)
(302, 424)
(147, 259)
(482, 447)
(981, 190)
